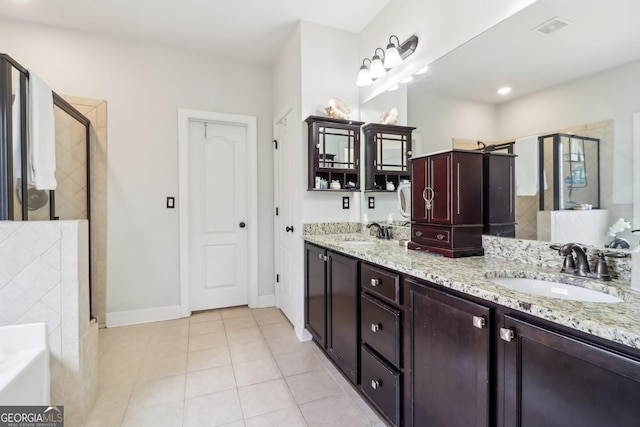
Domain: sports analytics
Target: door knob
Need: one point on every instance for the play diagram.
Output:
(242, 225)
(289, 228)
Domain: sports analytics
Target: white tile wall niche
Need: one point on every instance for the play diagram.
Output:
(44, 277)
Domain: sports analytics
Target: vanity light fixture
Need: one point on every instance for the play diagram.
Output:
(364, 77)
(392, 88)
(377, 68)
(406, 79)
(422, 70)
(504, 90)
(392, 57)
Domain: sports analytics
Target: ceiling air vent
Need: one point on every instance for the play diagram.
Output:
(552, 25)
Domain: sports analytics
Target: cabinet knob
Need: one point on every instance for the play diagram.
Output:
(375, 384)
(418, 233)
(507, 334)
(321, 256)
(440, 236)
(375, 327)
(375, 282)
(478, 322)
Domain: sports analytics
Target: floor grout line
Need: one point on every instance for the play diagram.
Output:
(154, 336)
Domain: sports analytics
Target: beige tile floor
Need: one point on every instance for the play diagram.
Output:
(228, 367)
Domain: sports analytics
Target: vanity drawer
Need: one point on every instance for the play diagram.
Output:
(382, 283)
(381, 385)
(380, 328)
(431, 235)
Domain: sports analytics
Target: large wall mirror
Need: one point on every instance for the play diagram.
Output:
(578, 75)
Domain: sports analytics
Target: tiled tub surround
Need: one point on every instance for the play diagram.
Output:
(619, 322)
(44, 277)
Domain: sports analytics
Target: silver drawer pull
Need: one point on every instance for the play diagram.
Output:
(478, 322)
(320, 256)
(375, 327)
(375, 384)
(506, 334)
(440, 236)
(375, 282)
(418, 233)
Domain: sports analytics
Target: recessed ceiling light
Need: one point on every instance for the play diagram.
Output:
(406, 79)
(422, 70)
(392, 88)
(504, 90)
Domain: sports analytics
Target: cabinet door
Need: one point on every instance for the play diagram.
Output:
(440, 179)
(449, 361)
(315, 293)
(418, 183)
(554, 380)
(343, 340)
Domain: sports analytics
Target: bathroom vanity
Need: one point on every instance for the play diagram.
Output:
(437, 343)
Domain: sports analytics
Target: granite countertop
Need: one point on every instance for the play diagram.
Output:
(618, 322)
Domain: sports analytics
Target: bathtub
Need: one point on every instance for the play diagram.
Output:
(24, 365)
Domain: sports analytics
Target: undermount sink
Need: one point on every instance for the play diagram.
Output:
(551, 289)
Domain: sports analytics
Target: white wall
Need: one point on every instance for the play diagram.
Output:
(144, 85)
(439, 118)
(329, 66)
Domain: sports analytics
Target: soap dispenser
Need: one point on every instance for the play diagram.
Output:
(635, 266)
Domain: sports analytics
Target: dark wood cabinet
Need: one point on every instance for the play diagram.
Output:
(315, 301)
(553, 380)
(446, 205)
(332, 306)
(424, 355)
(449, 359)
(387, 149)
(499, 207)
(334, 153)
(343, 298)
(381, 335)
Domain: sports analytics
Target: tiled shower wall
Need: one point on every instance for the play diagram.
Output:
(44, 277)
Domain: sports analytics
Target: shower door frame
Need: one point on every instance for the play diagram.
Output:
(6, 148)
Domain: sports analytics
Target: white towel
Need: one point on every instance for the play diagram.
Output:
(526, 166)
(42, 136)
(16, 129)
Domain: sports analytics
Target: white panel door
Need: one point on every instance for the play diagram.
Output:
(218, 214)
(285, 226)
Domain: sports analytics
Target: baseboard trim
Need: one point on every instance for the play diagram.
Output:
(265, 301)
(146, 315)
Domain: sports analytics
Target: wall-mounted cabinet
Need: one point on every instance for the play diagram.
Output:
(386, 156)
(334, 154)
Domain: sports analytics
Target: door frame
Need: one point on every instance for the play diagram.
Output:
(185, 116)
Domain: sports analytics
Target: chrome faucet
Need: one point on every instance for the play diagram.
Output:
(382, 232)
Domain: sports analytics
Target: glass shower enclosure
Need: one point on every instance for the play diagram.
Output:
(20, 200)
(570, 172)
